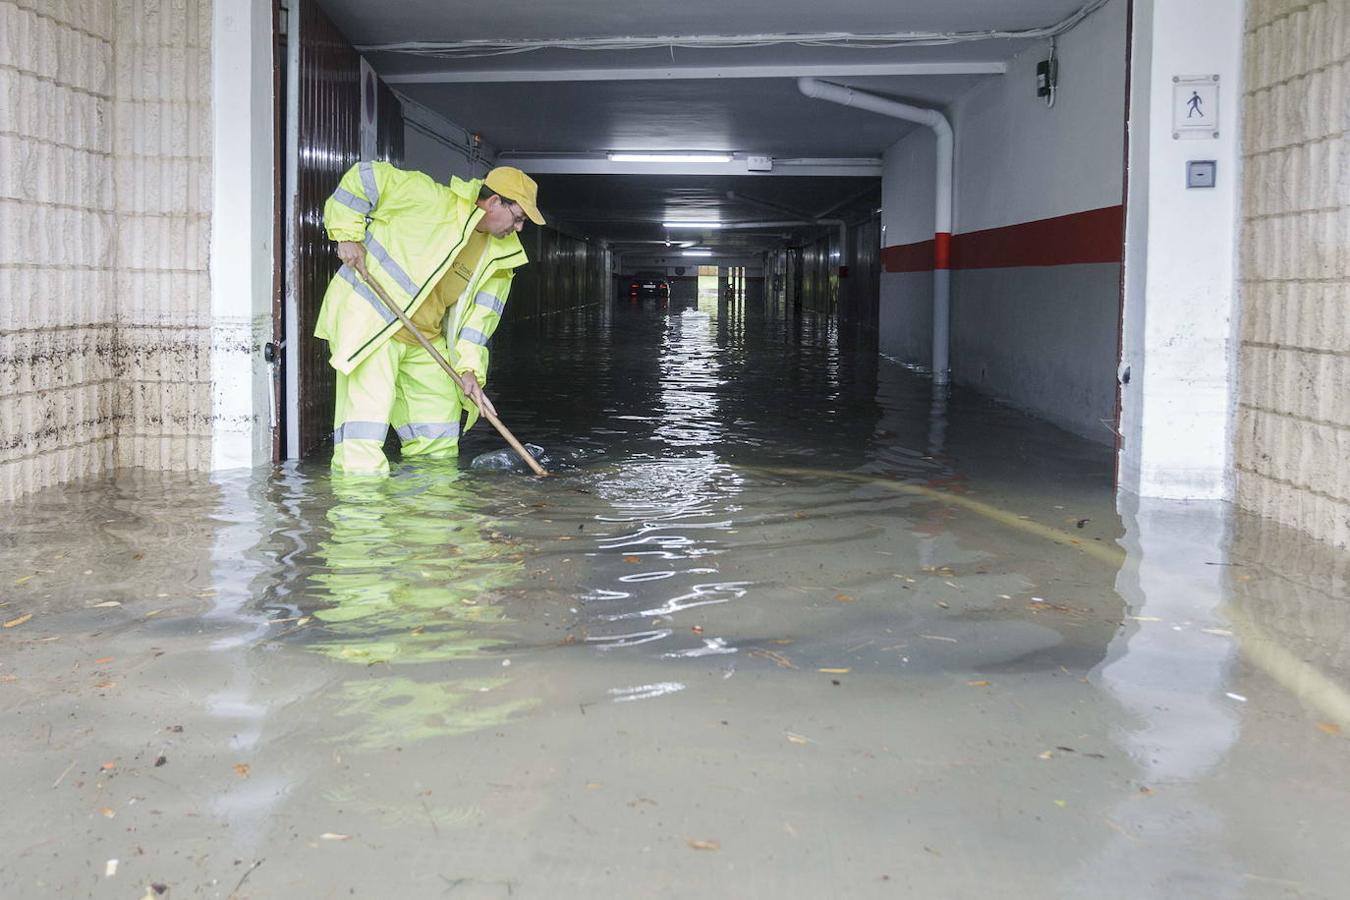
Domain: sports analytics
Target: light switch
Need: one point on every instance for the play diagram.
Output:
(1200, 173)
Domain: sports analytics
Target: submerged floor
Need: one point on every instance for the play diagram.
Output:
(784, 625)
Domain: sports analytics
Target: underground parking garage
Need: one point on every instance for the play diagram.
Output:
(967, 512)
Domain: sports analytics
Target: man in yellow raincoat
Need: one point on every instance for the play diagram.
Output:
(446, 254)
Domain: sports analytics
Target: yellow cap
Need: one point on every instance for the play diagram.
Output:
(517, 187)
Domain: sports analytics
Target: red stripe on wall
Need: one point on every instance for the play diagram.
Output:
(942, 250)
(1095, 236)
(908, 257)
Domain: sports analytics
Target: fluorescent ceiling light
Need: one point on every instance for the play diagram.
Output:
(697, 253)
(691, 224)
(671, 157)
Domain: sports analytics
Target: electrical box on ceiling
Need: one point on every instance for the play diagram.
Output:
(759, 163)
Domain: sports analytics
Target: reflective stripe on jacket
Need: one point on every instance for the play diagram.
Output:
(412, 228)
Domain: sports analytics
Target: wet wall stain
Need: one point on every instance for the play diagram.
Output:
(108, 382)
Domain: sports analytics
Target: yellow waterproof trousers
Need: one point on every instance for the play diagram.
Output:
(396, 385)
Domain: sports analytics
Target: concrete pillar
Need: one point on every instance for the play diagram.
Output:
(241, 233)
(1180, 257)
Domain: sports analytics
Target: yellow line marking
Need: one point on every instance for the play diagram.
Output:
(1304, 681)
(1107, 553)
(1308, 684)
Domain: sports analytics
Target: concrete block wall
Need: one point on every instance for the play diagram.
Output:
(58, 349)
(104, 220)
(1292, 432)
(162, 152)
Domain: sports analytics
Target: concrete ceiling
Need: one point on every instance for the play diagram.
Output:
(562, 101)
(752, 115)
(366, 22)
(627, 211)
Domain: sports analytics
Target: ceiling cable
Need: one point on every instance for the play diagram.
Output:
(469, 49)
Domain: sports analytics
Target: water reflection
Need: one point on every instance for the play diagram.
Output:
(240, 698)
(774, 584)
(409, 569)
(670, 512)
(410, 572)
(1170, 668)
(398, 711)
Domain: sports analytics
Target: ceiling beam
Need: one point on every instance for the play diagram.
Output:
(863, 166)
(708, 73)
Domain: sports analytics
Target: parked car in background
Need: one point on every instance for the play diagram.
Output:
(649, 286)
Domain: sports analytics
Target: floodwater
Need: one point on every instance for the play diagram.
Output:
(783, 624)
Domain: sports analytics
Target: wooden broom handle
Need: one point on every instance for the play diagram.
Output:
(454, 376)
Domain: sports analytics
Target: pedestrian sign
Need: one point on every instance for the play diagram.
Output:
(1195, 106)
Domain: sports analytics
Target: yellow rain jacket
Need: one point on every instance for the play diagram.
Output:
(412, 228)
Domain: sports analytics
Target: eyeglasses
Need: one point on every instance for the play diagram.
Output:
(517, 213)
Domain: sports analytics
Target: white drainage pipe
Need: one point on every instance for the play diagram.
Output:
(942, 224)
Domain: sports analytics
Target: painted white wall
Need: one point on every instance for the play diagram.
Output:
(905, 318)
(905, 313)
(439, 147)
(1041, 338)
(1180, 260)
(1018, 160)
(241, 232)
(907, 198)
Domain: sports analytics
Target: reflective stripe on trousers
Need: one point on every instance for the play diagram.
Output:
(361, 431)
(430, 431)
(403, 386)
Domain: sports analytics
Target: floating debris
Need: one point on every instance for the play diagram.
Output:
(506, 460)
(778, 659)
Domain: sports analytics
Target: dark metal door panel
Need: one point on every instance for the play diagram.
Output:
(328, 111)
(329, 143)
